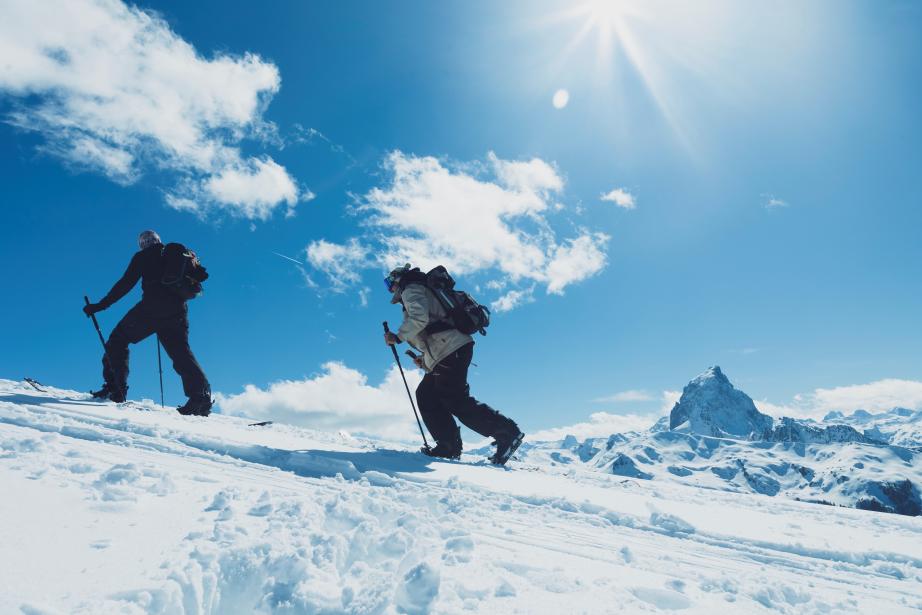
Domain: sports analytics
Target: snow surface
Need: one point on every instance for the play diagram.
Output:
(131, 509)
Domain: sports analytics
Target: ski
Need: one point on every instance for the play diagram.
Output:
(35, 384)
(260, 424)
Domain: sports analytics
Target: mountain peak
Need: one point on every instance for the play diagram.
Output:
(710, 405)
(712, 373)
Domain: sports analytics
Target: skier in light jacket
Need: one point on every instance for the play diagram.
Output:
(444, 393)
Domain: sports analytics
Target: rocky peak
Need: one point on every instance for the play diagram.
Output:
(710, 405)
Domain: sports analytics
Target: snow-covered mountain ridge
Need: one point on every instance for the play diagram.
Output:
(715, 437)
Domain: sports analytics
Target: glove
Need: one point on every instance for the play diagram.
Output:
(91, 308)
(390, 339)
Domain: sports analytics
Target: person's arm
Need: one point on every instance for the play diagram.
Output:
(125, 284)
(416, 303)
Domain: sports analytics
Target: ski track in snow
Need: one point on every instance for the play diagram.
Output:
(130, 509)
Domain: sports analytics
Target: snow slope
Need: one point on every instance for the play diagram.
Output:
(130, 509)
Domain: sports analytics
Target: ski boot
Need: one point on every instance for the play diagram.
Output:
(107, 392)
(102, 393)
(443, 450)
(506, 445)
(200, 405)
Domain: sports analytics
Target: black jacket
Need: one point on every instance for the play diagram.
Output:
(146, 266)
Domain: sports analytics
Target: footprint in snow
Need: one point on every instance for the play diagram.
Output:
(263, 506)
(662, 598)
(221, 500)
(418, 589)
(458, 550)
(672, 524)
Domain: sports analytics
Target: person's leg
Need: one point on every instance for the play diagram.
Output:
(174, 335)
(131, 329)
(438, 420)
(454, 392)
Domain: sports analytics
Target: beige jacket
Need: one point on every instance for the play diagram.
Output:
(420, 307)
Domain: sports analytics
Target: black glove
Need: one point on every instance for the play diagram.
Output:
(91, 308)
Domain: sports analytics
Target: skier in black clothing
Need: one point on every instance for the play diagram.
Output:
(160, 311)
(444, 393)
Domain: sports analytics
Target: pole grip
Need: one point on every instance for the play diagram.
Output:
(393, 348)
(95, 323)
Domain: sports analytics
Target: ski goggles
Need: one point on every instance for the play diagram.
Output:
(394, 276)
(389, 283)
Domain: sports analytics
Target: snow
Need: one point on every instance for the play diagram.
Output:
(132, 509)
(710, 405)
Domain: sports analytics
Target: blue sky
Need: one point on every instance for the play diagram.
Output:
(767, 159)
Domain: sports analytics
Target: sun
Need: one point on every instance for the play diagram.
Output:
(600, 23)
(616, 33)
(604, 13)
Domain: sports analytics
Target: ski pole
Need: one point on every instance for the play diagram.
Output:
(160, 369)
(410, 395)
(105, 351)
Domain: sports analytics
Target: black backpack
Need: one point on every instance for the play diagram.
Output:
(464, 313)
(183, 274)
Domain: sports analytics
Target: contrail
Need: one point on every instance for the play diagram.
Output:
(288, 258)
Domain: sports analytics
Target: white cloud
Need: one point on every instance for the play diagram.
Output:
(599, 425)
(113, 89)
(772, 202)
(339, 398)
(874, 396)
(670, 399)
(577, 260)
(532, 177)
(626, 396)
(255, 188)
(877, 396)
(341, 263)
(488, 217)
(621, 197)
(513, 299)
(603, 424)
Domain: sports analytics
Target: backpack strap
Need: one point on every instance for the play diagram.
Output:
(413, 276)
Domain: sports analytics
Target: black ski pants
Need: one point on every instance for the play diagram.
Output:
(445, 394)
(140, 323)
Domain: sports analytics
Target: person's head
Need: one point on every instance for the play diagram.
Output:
(392, 281)
(147, 239)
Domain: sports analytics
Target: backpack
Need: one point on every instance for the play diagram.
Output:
(464, 313)
(183, 274)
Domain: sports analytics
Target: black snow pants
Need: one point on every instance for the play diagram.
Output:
(444, 394)
(140, 323)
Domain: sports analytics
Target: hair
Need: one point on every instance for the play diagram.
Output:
(147, 239)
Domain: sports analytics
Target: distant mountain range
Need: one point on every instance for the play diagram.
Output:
(715, 437)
